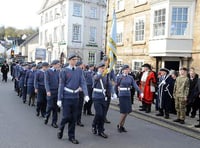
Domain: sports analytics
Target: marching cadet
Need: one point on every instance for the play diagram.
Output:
(71, 79)
(29, 83)
(88, 77)
(51, 85)
(100, 100)
(111, 79)
(40, 90)
(124, 83)
(16, 75)
(22, 76)
(165, 93)
(181, 90)
(80, 65)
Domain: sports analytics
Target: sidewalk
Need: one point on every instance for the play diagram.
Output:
(187, 128)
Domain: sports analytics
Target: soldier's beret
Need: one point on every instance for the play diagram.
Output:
(165, 70)
(124, 67)
(79, 63)
(33, 65)
(44, 64)
(183, 68)
(39, 66)
(54, 62)
(71, 56)
(100, 65)
(146, 65)
(24, 64)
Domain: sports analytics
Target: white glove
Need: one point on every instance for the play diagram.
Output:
(141, 95)
(86, 98)
(114, 96)
(59, 103)
(163, 82)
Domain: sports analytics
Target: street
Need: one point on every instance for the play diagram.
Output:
(20, 128)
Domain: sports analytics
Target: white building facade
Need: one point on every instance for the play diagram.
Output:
(73, 26)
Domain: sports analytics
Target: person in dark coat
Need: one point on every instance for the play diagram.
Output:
(5, 70)
(197, 92)
(124, 84)
(191, 98)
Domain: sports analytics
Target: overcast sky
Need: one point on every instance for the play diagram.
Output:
(20, 13)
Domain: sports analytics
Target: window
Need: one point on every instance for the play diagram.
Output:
(179, 23)
(64, 10)
(45, 37)
(55, 34)
(41, 20)
(93, 12)
(63, 33)
(93, 34)
(118, 65)
(77, 10)
(51, 16)
(139, 29)
(91, 58)
(46, 18)
(159, 22)
(120, 29)
(76, 33)
(41, 38)
(136, 65)
(119, 5)
(140, 2)
(56, 14)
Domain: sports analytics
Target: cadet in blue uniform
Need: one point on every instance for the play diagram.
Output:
(99, 97)
(88, 77)
(29, 82)
(51, 85)
(22, 76)
(40, 90)
(124, 84)
(111, 79)
(71, 79)
(79, 64)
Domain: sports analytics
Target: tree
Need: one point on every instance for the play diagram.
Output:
(2, 32)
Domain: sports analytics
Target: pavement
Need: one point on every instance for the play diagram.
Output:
(187, 128)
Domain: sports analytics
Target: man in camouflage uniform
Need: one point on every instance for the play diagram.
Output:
(181, 90)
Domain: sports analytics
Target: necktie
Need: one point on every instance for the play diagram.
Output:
(72, 68)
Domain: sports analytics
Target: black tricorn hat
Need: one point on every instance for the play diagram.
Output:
(146, 65)
(165, 70)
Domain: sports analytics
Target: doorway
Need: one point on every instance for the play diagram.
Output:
(172, 65)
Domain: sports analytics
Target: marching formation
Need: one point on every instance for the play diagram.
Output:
(73, 88)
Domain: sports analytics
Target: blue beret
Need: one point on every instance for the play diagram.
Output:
(100, 65)
(72, 56)
(33, 65)
(54, 62)
(45, 64)
(124, 67)
(79, 63)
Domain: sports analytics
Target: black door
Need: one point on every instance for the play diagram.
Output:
(172, 65)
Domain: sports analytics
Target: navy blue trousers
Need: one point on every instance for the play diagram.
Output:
(100, 113)
(69, 115)
(41, 101)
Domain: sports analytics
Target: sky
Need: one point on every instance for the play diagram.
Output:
(20, 14)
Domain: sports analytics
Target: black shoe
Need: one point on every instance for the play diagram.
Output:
(54, 125)
(192, 116)
(166, 116)
(80, 124)
(32, 104)
(182, 122)
(24, 101)
(90, 114)
(60, 134)
(177, 120)
(147, 111)
(37, 114)
(45, 120)
(142, 109)
(94, 130)
(74, 141)
(103, 135)
(159, 114)
(198, 120)
(197, 126)
(119, 128)
(106, 121)
(123, 129)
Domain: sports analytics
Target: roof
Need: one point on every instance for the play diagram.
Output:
(30, 38)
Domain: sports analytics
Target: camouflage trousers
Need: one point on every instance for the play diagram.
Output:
(180, 105)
